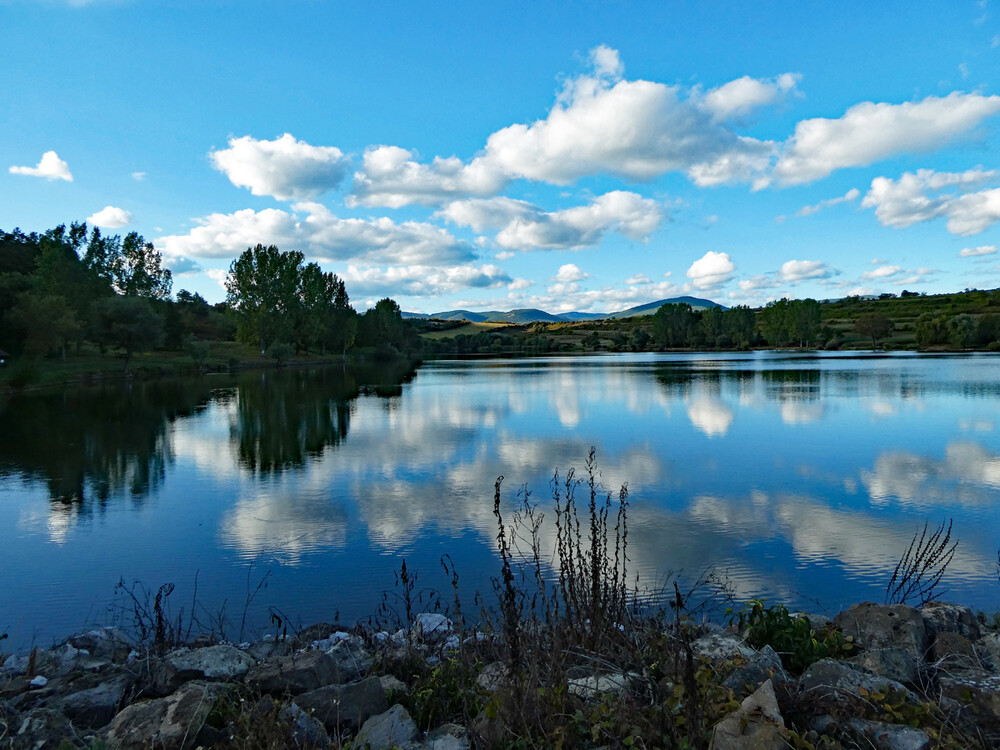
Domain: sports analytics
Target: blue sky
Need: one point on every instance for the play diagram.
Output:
(569, 156)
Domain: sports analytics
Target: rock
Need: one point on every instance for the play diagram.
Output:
(112, 644)
(978, 690)
(267, 649)
(988, 651)
(95, 707)
(342, 707)
(764, 665)
(817, 621)
(829, 678)
(895, 663)
(38, 681)
(756, 725)
(885, 626)
(170, 723)
(594, 687)
(210, 664)
(41, 729)
(954, 651)
(392, 684)
(294, 674)
(719, 647)
(448, 737)
(394, 728)
(303, 729)
(317, 632)
(351, 657)
(493, 676)
(941, 617)
(874, 734)
(431, 626)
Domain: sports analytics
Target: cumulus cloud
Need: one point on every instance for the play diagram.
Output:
(925, 195)
(870, 131)
(600, 123)
(285, 168)
(51, 167)
(756, 283)
(711, 271)
(972, 252)
(138, 176)
(639, 278)
(524, 226)
(391, 176)
(850, 195)
(881, 272)
(794, 271)
(423, 281)
(181, 266)
(314, 230)
(111, 217)
(738, 99)
(570, 273)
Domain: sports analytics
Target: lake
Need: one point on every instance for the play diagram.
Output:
(800, 478)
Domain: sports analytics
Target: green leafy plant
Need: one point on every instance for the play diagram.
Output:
(793, 638)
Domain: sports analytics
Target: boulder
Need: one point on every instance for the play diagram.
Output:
(764, 665)
(392, 684)
(41, 729)
(831, 679)
(942, 617)
(895, 663)
(294, 674)
(594, 687)
(447, 737)
(954, 651)
(980, 691)
(431, 626)
(394, 728)
(873, 734)
(988, 651)
(170, 723)
(351, 657)
(876, 626)
(721, 647)
(304, 730)
(95, 707)
(112, 644)
(210, 664)
(756, 725)
(345, 707)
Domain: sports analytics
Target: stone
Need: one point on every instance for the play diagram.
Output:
(351, 657)
(431, 626)
(895, 663)
(112, 644)
(170, 723)
(209, 664)
(885, 626)
(392, 684)
(764, 665)
(942, 617)
(593, 687)
(492, 676)
(988, 651)
(756, 725)
(294, 674)
(954, 651)
(447, 737)
(39, 681)
(41, 729)
(95, 707)
(345, 707)
(394, 728)
(884, 736)
(830, 679)
(978, 690)
(720, 647)
(303, 729)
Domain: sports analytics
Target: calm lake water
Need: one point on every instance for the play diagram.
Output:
(800, 477)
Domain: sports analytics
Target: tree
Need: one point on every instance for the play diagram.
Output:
(136, 270)
(130, 324)
(674, 324)
(263, 289)
(961, 329)
(875, 326)
(47, 321)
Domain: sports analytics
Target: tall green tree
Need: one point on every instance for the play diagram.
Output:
(263, 289)
(130, 324)
(137, 270)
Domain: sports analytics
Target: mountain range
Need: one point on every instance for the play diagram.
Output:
(531, 315)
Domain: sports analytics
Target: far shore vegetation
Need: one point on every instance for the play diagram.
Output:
(76, 304)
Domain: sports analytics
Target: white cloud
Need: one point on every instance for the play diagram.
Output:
(794, 271)
(391, 177)
(924, 195)
(711, 271)
(518, 284)
(51, 167)
(505, 255)
(181, 266)
(738, 99)
(138, 176)
(569, 273)
(111, 217)
(881, 272)
(319, 234)
(639, 278)
(285, 168)
(972, 252)
(850, 195)
(755, 283)
(524, 226)
(869, 132)
(423, 281)
(218, 275)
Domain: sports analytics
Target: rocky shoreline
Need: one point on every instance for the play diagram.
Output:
(906, 679)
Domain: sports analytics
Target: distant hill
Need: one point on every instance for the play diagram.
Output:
(534, 316)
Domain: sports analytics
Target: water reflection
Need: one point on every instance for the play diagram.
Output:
(795, 474)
